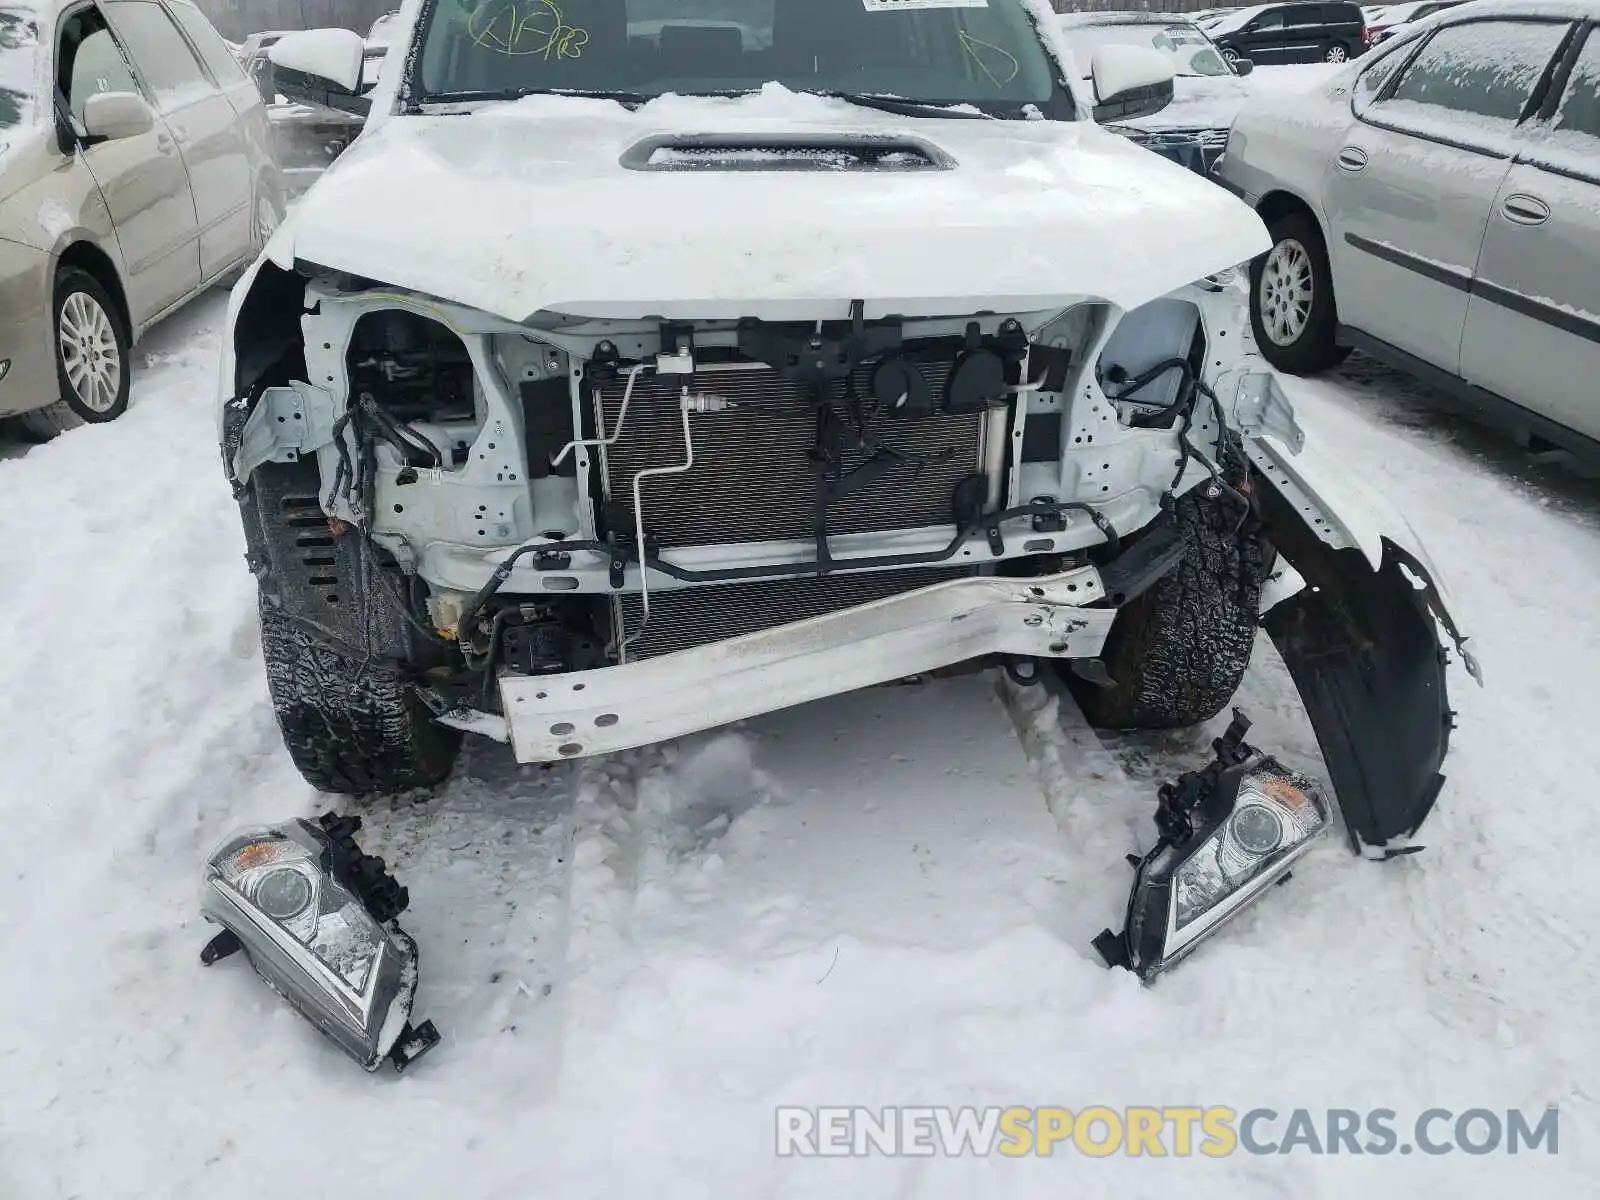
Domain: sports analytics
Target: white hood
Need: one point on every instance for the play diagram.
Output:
(523, 207)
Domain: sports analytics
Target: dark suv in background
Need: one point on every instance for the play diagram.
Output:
(1291, 33)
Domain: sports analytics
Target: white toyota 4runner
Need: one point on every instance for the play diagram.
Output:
(647, 365)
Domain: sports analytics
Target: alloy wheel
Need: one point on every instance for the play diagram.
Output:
(1286, 292)
(1336, 54)
(87, 343)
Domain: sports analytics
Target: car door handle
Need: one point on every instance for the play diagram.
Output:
(164, 143)
(1523, 209)
(1352, 158)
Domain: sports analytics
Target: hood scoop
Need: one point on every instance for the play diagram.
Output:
(784, 152)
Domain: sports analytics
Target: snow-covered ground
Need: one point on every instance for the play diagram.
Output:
(883, 899)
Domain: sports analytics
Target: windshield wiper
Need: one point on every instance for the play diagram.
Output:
(905, 108)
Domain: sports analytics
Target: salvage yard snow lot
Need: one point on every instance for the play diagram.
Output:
(882, 899)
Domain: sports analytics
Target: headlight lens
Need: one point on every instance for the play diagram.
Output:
(283, 893)
(312, 938)
(1193, 889)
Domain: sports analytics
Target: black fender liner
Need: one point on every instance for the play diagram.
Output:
(1364, 650)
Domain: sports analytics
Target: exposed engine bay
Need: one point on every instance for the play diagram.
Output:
(790, 469)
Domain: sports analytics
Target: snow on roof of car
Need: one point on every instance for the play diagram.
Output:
(1575, 10)
(1236, 20)
(1394, 14)
(1124, 17)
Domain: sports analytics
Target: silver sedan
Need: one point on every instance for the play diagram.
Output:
(1437, 204)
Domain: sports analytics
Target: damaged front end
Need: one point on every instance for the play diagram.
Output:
(583, 534)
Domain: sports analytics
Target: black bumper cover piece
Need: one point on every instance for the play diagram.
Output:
(1364, 650)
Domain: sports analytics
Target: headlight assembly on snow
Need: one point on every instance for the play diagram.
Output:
(317, 919)
(1228, 832)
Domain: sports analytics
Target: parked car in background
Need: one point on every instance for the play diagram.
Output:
(384, 30)
(1386, 22)
(257, 43)
(1291, 33)
(136, 170)
(1206, 92)
(1488, 287)
(308, 137)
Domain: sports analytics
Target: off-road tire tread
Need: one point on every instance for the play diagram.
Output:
(350, 730)
(1178, 653)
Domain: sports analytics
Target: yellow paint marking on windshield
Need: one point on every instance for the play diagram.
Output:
(521, 28)
(973, 46)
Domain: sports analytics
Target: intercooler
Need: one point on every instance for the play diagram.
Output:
(753, 478)
(684, 618)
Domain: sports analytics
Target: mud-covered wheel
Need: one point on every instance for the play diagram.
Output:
(352, 729)
(1177, 654)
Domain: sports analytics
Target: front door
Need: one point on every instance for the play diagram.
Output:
(141, 179)
(1262, 39)
(1533, 325)
(1411, 186)
(203, 123)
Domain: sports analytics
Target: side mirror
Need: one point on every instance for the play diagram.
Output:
(320, 67)
(1130, 81)
(1243, 66)
(111, 116)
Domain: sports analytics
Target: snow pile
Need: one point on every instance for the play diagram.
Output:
(883, 899)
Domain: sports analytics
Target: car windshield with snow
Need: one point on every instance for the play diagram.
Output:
(645, 367)
(984, 55)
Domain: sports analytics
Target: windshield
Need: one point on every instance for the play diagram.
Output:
(18, 42)
(986, 53)
(1189, 50)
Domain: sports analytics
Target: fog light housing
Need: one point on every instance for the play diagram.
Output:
(1228, 832)
(317, 919)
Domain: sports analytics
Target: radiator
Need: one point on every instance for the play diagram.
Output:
(684, 618)
(752, 478)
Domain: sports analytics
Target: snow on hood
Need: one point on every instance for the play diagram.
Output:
(523, 207)
(1198, 102)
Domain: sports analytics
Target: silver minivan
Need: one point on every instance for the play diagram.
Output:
(1438, 205)
(136, 170)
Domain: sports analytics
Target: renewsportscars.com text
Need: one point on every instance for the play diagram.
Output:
(1099, 1131)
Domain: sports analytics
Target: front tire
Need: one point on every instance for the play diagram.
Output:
(1292, 310)
(351, 728)
(91, 347)
(1177, 653)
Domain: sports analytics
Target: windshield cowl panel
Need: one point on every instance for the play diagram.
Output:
(983, 55)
